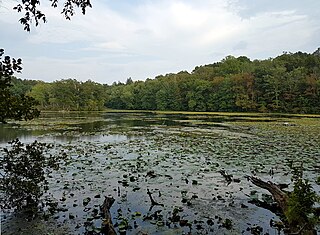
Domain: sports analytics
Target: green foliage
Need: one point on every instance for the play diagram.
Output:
(21, 87)
(300, 204)
(69, 94)
(17, 107)
(13, 106)
(289, 83)
(300, 210)
(23, 174)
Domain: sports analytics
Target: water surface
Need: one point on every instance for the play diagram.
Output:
(177, 157)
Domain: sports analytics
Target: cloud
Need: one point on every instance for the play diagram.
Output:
(141, 38)
(48, 69)
(274, 32)
(111, 45)
(242, 45)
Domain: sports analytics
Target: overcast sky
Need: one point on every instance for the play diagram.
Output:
(117, 39)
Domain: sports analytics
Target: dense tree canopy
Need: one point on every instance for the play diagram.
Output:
(69, 94)
(288, 83)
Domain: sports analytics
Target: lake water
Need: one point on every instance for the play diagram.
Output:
(177, 157)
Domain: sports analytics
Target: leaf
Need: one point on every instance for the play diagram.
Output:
(86, 201)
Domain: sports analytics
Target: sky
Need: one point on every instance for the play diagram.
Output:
(118, 39)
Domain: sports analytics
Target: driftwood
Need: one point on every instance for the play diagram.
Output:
(278, 195)
(227, 177)
(107, 226)
(282, 200)
(153, 202)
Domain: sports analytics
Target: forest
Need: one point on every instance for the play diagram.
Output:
(288, 83)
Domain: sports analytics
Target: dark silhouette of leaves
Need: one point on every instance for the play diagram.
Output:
(32, 14)
(13, 106)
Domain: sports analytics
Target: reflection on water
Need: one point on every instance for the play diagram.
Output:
(68, 126)
(65, 127)
(10, 131)
(59, 127)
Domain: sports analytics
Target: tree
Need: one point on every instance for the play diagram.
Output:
(168, 96)
(148, 91)
(21, 87)
(116, 99)
(23, 174)
(41, 93)
(12, 106)
(66, 94)
(197, 97)
(92, 96)
(32, 14)
(275, 87)
(243, 87)
(221, 97)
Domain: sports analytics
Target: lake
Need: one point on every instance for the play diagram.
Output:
(177, 156)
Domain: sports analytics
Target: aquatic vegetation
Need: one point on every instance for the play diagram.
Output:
(179, 162)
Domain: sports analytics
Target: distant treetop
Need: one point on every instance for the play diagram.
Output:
(317, 52)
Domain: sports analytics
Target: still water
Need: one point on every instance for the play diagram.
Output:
(177, 157)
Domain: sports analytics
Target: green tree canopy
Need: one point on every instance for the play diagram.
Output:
(278, 84)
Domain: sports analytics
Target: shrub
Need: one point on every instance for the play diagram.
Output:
(23, 170)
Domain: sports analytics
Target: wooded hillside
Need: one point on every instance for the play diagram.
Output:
(288, 83)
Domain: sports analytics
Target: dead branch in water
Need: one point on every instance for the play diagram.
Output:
(107, 226)
(153, 202)
(278, 195)
(282, 200)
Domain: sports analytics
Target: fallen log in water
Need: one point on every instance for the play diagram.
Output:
(278, 195)
(282, 199)
(107, 226)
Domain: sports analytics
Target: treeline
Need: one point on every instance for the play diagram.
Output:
(66, 95)
(288, 83)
